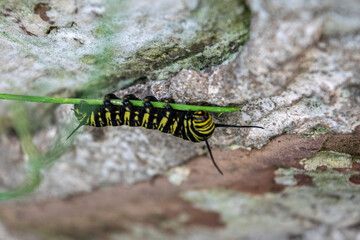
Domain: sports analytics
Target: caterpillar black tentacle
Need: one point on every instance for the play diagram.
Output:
(195, 126)
(212, 158)
(237, 126)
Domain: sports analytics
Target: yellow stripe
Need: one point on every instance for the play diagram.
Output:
(162, 124)
(93, 123)
(155, 121)
(202, 123)
(207, 131)
(207, 126)
(173, 127)
(117, 117)
(127, 118)
(197, 126)
(197, 138)
(145, 120)
(108, 117)
(101, 122)
(118, 120)
(136, 118)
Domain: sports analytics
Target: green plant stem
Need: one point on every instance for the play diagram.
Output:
(115, 102)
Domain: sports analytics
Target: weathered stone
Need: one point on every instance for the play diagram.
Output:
(298, 73)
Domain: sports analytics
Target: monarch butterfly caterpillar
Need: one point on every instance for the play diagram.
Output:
(195, 126)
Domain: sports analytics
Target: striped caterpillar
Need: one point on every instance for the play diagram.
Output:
(195, 126)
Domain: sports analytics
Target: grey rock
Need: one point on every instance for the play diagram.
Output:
(298, 71)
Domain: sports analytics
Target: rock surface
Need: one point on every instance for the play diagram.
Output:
(298, 75)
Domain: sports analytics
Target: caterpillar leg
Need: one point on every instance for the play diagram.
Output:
(127, 98)
(107, 102)
(167, 106)
(167, 101)
(148, 99)
(108, 97)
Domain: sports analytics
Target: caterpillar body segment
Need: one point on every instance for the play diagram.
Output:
(195, 126)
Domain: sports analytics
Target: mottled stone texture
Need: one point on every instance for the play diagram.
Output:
(298, 75)
(92, 46)
(277, 192)
(61, 48)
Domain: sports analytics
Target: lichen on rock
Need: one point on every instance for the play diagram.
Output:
(327, 159)
(101, 43)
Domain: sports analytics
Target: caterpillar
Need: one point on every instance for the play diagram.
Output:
(195, 126)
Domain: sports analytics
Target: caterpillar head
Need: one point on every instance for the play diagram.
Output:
(82, 111)
(203, 123)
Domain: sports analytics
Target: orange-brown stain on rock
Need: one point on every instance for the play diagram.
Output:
(22, 27)
(154, 202)
(175, 209)
(356, 166)
(41, 9)
(321, 168)
(303, 180)
(341, 170)
(6, 12)
(355, 179)
(345, 143)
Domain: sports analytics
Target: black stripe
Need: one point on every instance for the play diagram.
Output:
(113, 116)
(180, 121)
(198, 135)
(132, 117)
(170, 119)
(207, 128)
(96, 117)
(187, 135)
(103, 112)
(122, 114)
(151, 118)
